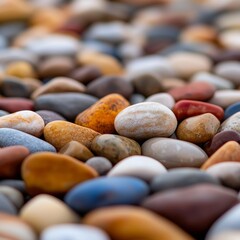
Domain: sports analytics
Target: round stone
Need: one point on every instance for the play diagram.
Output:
(164, 98)
(101, 164)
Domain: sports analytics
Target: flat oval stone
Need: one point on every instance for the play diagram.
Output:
(209, 202)
(198, 129)
(101, 164)
(49, 116)
(189, 108)
(225, 98)
(183, 177)
(114, 147)
(173, 153)
(231, 110)
(54, 173)
(164, 98)
(77, 150)
(146, 120)
(101, 115)
(231, 123)
(12, 105)
(13, 137)
(34, 212)
(69, 105)
(228, 173)
(11, 159)
(20, 231)
(142, 167)
(134, 223)
(106, 191)
(58, 85)
(229, 152)
(59, 133)
(73, 232)
(25, 121)
(200, 91)
(6, 206)
(219, 139)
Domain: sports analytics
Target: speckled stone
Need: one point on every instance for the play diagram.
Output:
(146, 120)
(164, 98)
(173, 153)
(54, 173)
(12, 137)
(101, 164)
(198, 129)
(49, 116)
(114, 147)
(59, 133)
(231, 123)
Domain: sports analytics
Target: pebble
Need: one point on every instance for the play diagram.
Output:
(219, 139)
(146, 120)
(16, 184)
(11, 161)
(59, 85)
(230, 39)
(136, 98)
(229, 152)
(227, 173)
(73, 232)
(13, 137)
(101, 192)
(114, 147)
(101, 115)
(25, 121)
(59, 133)
(212, 202)
(228, 235)
(141, 167)
(6, 206)
(173, 153)
(49, 116)
(54, 173)
(164, 98)
(12, 105)
(231, 110)
(199, 91)
(198, 129)
(231, 123)
(76, 150)
(101, 164)
(3, 113)
(20, 231)
(134, 223)
(182, 177)
(69, 105)
(44, 211)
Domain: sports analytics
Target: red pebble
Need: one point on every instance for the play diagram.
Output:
(16, 104)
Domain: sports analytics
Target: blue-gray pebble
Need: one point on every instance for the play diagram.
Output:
(232, 109)
(6, 206)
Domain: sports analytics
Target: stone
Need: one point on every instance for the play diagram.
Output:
(228, 152)
(198, 129)
(188, 108)
(136, 98)
(54, 173)
(59, 133)
(59, 85)
(231, 123)
(25, 121)
(101, 164)
(101, 115)
(107, 64)
(106, 191)
(209, 202)
(146, 120)
(227, 173)
(49, 116)
(69, 105)
(20, 231)
(11, 159)
(225, 98)
(3, 113)
(114, 147)
(134, 223)
(12, 105)
(199, 91)
(141, 167)
(182, 177)
(231, 110)
(219, 139)
(13, 137)
(169, 83)
(16, 184)
(193, 63)
(173, 153)
(230, 39)
(6, 206)
(73, 232)
(228, 235)
(35, 211)
(76, 150)
(105, 85)
(164, 98)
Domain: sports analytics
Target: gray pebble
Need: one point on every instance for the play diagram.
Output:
(101, 164)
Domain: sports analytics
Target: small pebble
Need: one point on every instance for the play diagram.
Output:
(163, 98)
(101, 164)
(49, 116)
(6, 205)
(231, 110)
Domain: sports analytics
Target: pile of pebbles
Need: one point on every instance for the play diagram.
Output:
(119, 120)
